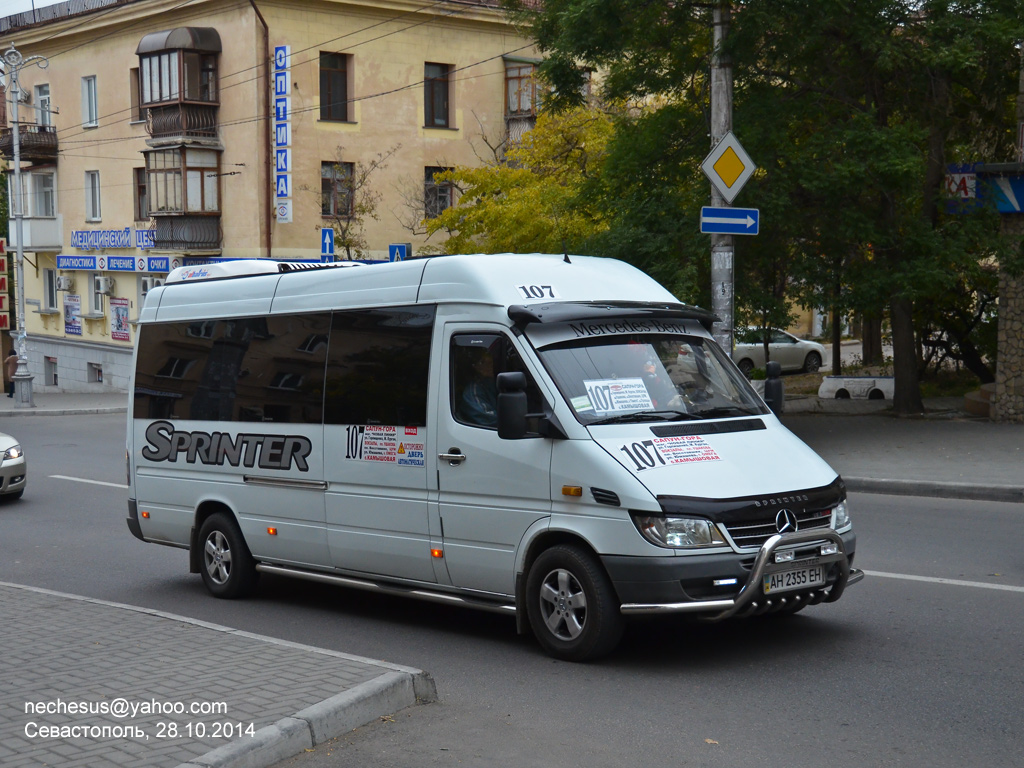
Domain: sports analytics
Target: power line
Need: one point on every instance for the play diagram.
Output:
(259, 118)
(265, 61)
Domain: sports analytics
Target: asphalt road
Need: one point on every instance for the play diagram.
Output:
(906, 670)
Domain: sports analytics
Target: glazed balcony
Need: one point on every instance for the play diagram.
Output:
(37, 143)
(186, 233)
(182, 120)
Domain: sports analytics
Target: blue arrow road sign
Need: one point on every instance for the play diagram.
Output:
(326, 245)
(729, 221)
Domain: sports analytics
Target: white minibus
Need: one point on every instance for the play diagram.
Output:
(556, 437)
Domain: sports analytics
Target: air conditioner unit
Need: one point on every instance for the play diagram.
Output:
(25, 97)
(105, 285)
(65, 283)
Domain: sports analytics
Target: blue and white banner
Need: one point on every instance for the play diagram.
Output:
(283, 133)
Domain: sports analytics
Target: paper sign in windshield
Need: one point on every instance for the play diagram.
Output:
(664, 451)
(613, 395)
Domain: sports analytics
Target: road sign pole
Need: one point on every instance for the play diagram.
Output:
(722, 250)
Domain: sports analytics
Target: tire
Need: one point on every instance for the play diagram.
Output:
(227, 566)
(746, 366)
(571, 605)
(812, 363)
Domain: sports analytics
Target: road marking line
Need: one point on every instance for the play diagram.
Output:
(84, 480)
(954, 582)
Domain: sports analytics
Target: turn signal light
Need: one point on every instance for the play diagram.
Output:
(272, 531)
(146, 515)
(437, 553)
(572, 490)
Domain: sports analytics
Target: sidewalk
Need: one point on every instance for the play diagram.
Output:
(62, 403)
(89, 683)
(945, 453)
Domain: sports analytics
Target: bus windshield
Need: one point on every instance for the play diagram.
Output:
(648, 377)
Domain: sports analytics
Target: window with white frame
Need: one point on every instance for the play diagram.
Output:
(50, 289)
(92, 196)
(96, 294)
(43, 198)
(90, 108)
(42, 93)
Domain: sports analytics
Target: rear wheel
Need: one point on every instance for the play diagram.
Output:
(571, 605)
(746, 365)
(227, 566)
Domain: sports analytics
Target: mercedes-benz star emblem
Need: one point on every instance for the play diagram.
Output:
(785, 521)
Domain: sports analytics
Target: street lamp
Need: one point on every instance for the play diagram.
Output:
(12, 63)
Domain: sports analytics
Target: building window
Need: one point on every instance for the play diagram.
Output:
(138, 111)
(165, 172)
(159, 77)
(42, 93)
(43, 198)
(96, 293)
(50, 289)
(336, 193)
(141, 204)
(520, 90)
(90, 109)
(92, 196)
(95, 373)
(199, 76)
(334, 86)
(437, 195)
(435, 95)
(50, 371)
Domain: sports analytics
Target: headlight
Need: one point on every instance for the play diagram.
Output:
(841, 516)
(14, 452)
(679, 532)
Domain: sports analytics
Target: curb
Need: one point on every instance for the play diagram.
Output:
(969, 491)
(395, 689)
(321, 722)
(62, 411)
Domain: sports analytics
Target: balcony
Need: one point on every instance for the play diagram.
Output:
(42, 233)
(181, 120)
(38, 143)
(186, 233)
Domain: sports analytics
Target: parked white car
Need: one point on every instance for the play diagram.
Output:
(792, 353)
(12, 468)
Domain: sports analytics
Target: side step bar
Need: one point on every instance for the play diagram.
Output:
(389, 589)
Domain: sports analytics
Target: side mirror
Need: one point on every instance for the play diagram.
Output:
(774, 389)
(512, 406)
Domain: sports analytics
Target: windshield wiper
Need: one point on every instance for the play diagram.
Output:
(730, 410)
(638, 416)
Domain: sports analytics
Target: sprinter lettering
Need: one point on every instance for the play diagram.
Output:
(244, 449)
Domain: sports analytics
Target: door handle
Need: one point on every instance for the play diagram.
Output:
(454, 457)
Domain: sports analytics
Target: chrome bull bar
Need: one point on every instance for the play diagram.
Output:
(751, 599)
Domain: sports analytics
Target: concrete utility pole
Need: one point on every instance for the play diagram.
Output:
(722, 249)
(13, 62)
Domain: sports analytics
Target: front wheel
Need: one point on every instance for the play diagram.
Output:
(571, 605)
(228, 568)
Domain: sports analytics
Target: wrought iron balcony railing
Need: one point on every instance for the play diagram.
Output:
(183, 232)
(37, 143)
(185, 120)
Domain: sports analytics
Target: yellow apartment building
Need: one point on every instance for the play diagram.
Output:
(166, 133)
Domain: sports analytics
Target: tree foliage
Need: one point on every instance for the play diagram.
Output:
(851, 110)
(532, 201)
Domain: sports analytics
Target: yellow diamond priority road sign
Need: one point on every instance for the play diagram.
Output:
(728, 166)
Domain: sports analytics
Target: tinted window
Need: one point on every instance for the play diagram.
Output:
(476, 361)
(239, 369)
(377, 367)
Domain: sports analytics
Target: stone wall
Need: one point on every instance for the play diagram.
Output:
(1008, 401)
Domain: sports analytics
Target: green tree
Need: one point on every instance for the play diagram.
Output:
(852, 110)
(532, 200)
